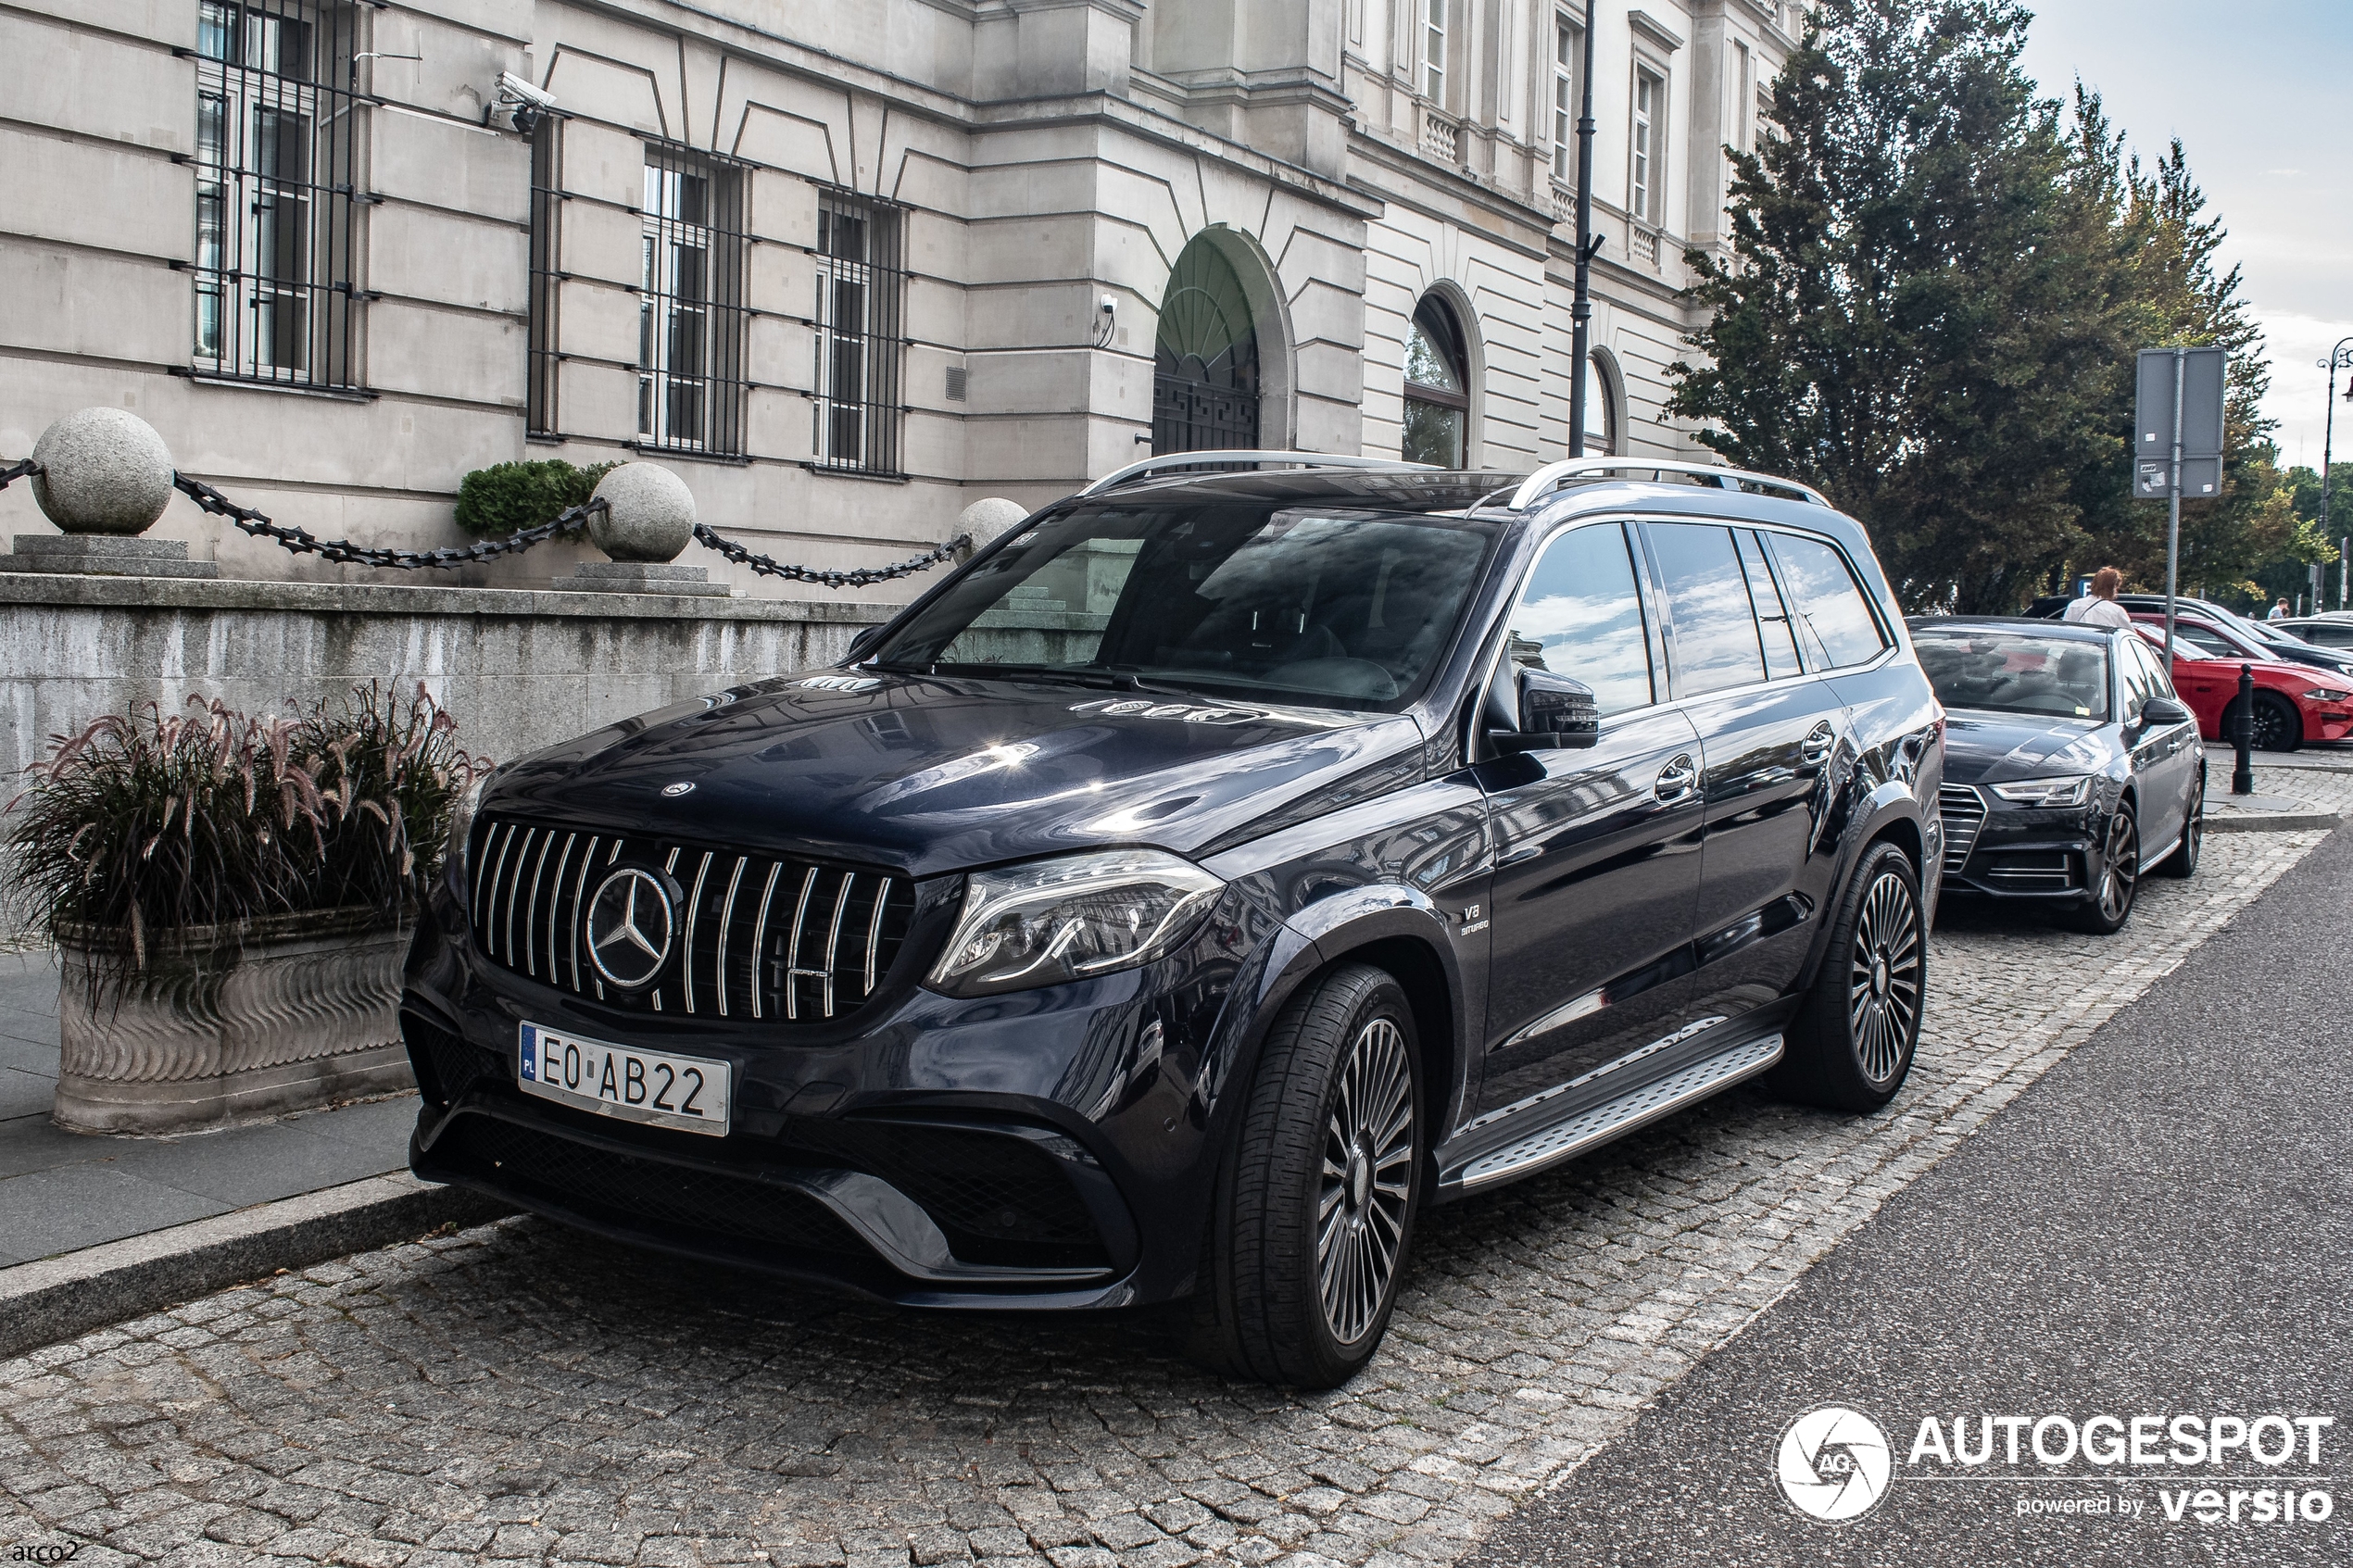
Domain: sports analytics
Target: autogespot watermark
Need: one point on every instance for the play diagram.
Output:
(1836, 1464)
(1833, 1464)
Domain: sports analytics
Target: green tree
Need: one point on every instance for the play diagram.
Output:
(2178, 296)
(1921, 314)
(1937, 284)
(2289, 573)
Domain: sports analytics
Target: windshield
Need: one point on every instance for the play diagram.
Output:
(1286, 603)
(2015, 672)
(2253, 630)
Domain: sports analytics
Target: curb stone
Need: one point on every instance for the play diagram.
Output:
(2271, 821)
(72, 1293)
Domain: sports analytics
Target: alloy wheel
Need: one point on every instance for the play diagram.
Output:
(1367, 1180)
(2274, 723)
(1883, 987)
(2123, 868)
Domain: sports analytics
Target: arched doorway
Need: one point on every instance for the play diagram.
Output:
(1205, 387)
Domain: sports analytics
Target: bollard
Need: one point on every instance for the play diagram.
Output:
(2243, 774)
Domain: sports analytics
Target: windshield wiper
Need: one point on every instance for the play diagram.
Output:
(1094, 677)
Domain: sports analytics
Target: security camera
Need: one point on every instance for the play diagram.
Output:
(1111, 304)
(518, 106)
(510, 84)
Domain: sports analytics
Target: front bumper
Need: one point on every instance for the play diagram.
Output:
(2008, 852)
(1047, 1149)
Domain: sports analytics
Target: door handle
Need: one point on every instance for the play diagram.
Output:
(1675, 781)
(1819, 745)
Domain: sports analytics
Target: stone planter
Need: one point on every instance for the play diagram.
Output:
(228, 1023)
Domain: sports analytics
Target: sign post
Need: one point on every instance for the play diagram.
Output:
(2177, 443)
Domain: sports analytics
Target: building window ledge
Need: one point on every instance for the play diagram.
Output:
(256, 383)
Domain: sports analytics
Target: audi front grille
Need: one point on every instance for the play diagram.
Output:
(1963, 810)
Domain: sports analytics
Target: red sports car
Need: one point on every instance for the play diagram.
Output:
(2294, 703)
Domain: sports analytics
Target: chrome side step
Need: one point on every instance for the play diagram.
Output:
(1611, 1119)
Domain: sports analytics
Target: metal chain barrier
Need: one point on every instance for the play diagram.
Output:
(302, 542)
(857, 578)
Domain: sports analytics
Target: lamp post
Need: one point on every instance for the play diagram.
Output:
(2340, 358)
(1580, 309)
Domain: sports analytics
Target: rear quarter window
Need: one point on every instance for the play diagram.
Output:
(1830, 605)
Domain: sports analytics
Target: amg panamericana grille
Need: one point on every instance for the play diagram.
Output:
(747, 937)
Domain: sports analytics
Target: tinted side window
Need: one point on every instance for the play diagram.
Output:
(2141, 680)
(2159, 683)
(1708, 607)
(1772, 617)
(1581, 616)
(1828, 601)
(2208, 644)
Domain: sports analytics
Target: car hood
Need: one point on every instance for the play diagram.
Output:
(1983, 748)
(925, 774)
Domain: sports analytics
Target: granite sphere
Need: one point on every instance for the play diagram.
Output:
(649, 514)
(987, 518)
(103, 470)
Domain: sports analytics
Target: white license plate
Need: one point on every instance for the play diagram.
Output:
(658, 1087)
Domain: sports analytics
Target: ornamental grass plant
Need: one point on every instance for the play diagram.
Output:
(209, 818)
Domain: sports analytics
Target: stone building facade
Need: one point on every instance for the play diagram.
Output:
(845, 265)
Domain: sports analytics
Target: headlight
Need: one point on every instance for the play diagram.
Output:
(2326, 694)
(2072, 791)
(1067, 918)
(461, 825)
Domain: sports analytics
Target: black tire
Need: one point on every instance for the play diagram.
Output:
(2109, 904)
(1852, 1043)
(1302, 1267)
(2278, 727)
(2183, 862)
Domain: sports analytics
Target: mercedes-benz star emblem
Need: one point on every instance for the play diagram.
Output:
(628, 927)
(683, 787)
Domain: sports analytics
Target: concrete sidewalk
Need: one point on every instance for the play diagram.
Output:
(60, 1191)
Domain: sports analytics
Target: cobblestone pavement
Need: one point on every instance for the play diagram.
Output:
(518, 1392)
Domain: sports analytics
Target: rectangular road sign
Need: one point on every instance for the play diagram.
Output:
(2201, 479)
(2200, 375)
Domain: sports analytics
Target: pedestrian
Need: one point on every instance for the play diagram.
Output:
(2279, 611)
(2099, 608)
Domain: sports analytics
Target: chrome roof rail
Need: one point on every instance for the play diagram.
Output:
(1553, 475)
(1135, 471)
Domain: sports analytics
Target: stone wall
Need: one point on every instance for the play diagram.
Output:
(519, 669)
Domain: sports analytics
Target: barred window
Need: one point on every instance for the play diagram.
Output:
(861, 290)
(277, 139)
(690, 309)
(546, 208)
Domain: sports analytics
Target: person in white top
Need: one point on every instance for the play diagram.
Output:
(2099, 608)
(2279, 611)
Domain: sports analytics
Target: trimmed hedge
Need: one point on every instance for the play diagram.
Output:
(504, 498)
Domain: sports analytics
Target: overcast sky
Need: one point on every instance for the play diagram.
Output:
(2260, 92)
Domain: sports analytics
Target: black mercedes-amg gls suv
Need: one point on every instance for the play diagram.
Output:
(1208, 877)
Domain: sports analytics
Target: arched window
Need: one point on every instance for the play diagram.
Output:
(1205, 361)
(1437, 387)
(1600, 410)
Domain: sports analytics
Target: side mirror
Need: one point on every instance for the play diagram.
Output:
(2160, 712)
(864, 641)
(1555, 712)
